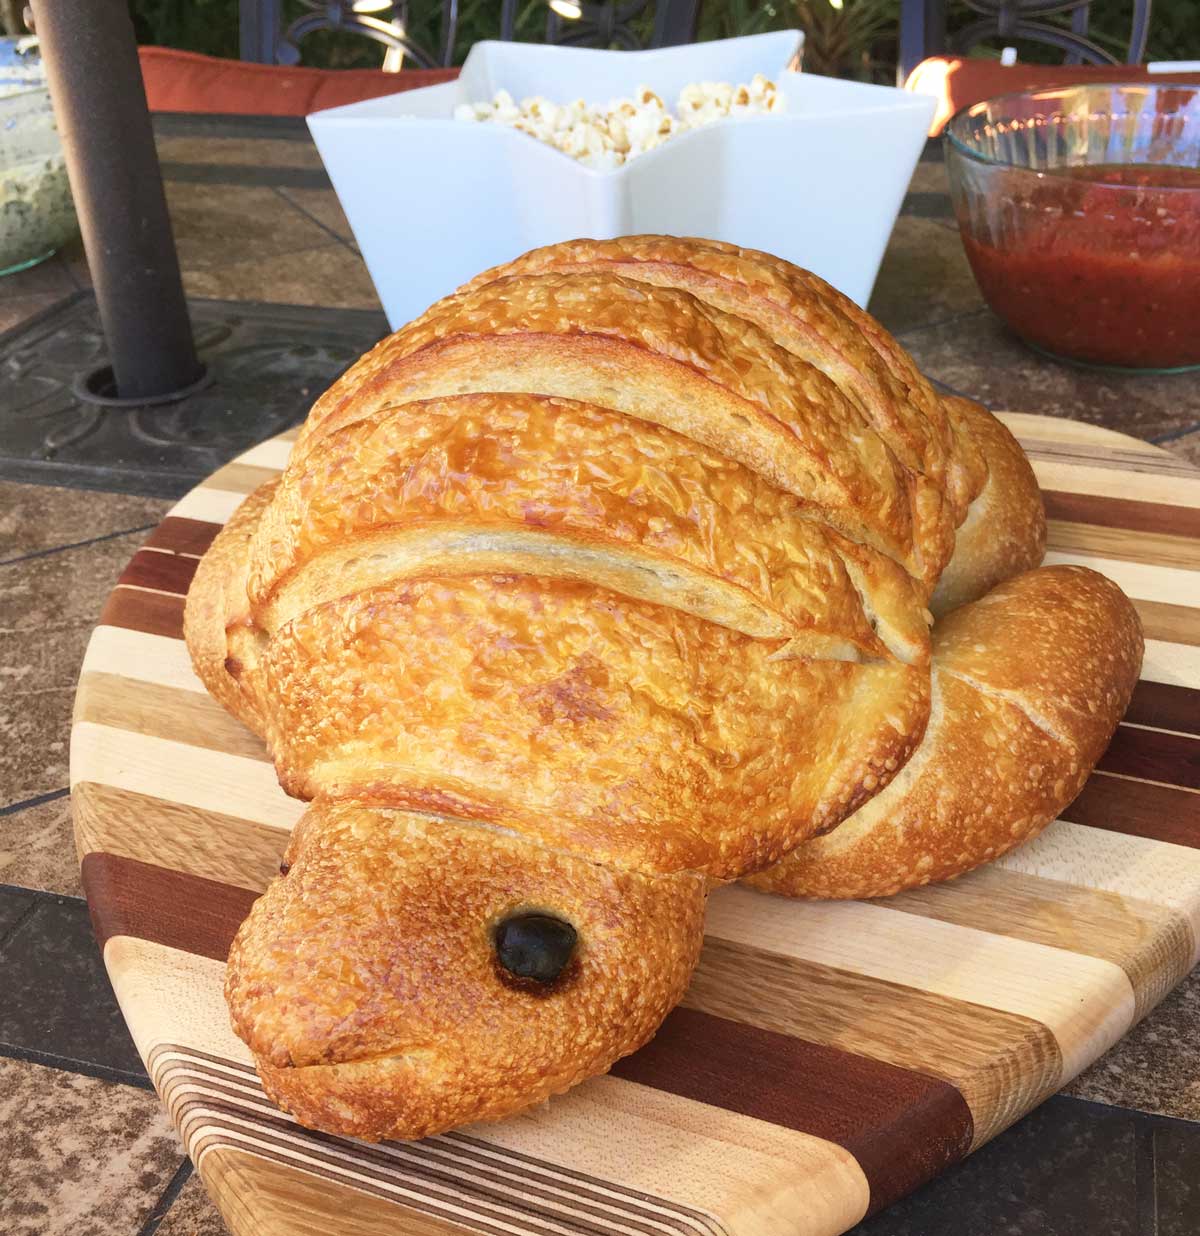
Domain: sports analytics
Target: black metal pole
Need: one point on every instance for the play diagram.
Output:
(90, 54)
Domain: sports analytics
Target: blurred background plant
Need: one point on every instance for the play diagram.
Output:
(847, 38)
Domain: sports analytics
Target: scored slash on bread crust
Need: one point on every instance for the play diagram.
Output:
(1028, 685)
(607, 579)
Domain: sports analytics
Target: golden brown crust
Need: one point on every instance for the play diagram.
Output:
(806, 318)
(663, 356)
(513, 462)
(1004, 532)
(1028, 686)
(798, 313)
(366, 980)
(635, 733)
(216, 615)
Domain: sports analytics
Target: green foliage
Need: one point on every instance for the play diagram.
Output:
(857, 39)
(209, 26)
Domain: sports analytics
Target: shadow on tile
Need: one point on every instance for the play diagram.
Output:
(58, 1001)
(1068, 1169)
(924, 278)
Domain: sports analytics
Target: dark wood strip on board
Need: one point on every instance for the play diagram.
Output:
(1154, 755)
(150, 568)
(1138, 809)
(131, 898)
(902, 1127)
(1165, 706)
(155, 613)
(183, 536)
(1159, 518)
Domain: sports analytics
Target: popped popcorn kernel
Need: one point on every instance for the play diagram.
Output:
(607, 137)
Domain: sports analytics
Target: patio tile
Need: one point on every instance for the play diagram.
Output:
(37, 849)
(48, 278)
(193, 1214)
(219, 225)
(324, 206)
(979, 356)
(1068, 1169)
(1187, 445)
(1156, 1066)
(58, 1002)
(924, 279)
(1177, 1178)
(40, 517)
(930, 177)
(14, 905)
(48, 606)
(333, 276)
(239, 151)
(79, 1157)
(16, 309)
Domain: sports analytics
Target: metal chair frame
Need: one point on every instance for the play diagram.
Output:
(923, 29)
(265, 41)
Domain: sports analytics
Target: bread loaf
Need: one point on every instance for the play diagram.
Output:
(606, 580)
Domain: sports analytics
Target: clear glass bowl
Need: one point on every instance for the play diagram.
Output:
(1079, 209)
(36, 212)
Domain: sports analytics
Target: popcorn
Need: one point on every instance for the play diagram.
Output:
(607, 137)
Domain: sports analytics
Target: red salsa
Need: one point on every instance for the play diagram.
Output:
(1102, 264)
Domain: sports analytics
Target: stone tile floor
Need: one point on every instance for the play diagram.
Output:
(86, 1150)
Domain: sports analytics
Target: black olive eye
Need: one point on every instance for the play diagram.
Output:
(535, 946)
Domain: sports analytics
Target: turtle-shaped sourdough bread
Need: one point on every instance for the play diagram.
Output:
(606, 581)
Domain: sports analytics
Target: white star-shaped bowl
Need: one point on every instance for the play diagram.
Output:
(433, 200)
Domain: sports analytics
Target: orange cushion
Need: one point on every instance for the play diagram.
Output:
(958, 82)
(179, 81)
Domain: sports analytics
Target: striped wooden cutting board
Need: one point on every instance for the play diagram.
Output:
(828, 1057)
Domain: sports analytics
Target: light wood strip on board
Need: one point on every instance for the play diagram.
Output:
(639, 1137)
(1016, 976)
(239, 477)
(1000, 1062)
(1175, 664)
(208, 844)
(1127, 545)
(1034, 428)
(451, 1163)
(1177, 624)
(1169, 585)
(1153, 944)
(154, 709)
(1099, 477)
(1151, 871)
(258, 1195)
(141, 657)
(271, 456)
(208, 780)
(205, 505)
